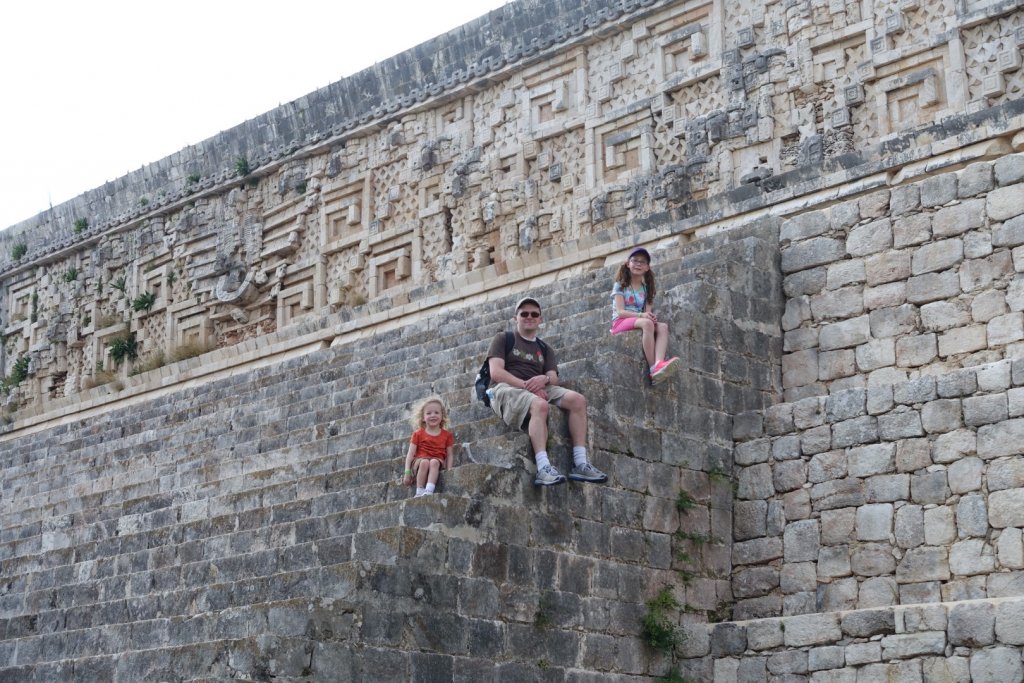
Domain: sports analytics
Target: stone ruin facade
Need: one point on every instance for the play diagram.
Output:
(872, 528)
(499, 158)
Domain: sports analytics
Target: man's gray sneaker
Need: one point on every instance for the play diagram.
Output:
(587, 472)
(548, 476)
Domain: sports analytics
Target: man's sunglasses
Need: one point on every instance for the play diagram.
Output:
(529, 314)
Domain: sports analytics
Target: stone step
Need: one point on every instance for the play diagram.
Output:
(440, 573)
(337, 638)
(499, 498)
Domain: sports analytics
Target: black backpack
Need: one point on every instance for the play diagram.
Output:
(483, 377)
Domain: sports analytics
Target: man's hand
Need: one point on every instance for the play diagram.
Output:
(535, 385)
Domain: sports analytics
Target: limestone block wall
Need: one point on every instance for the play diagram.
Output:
(970, 641)
(890, 474)
(477, 159)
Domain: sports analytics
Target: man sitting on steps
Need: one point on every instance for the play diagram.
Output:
(525, 382)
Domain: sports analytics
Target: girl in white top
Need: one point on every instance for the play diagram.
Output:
(632, 309)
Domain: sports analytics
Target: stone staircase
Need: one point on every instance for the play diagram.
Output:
(254, 528)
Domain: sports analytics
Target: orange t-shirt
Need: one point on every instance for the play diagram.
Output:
(428, 446)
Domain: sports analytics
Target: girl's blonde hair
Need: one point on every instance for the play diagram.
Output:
(417, 412)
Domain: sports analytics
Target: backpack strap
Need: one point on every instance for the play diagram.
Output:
(510, 341)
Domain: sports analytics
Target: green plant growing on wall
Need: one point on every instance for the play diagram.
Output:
(143, 302)
(685, 502)
(300, 187)
(19, 250)
(153, 361)
(71, 274)
(35, 307)
(545, 607)
(193, 178)
(19, 373)
(120, 284)
(81, 225)
(143, 201)
(657, 627)
(123, 347)
(242, 167)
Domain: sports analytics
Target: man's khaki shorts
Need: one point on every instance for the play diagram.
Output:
(512, 405)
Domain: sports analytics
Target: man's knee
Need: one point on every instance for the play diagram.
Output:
(662, 328)
(645, 324)
(573, 401)
(435, 465)
(539, 408)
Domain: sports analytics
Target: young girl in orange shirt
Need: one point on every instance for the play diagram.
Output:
(430, 448)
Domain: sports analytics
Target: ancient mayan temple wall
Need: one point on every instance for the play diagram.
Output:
(199, 439)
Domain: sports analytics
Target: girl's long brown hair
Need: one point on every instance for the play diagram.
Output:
(625, 279)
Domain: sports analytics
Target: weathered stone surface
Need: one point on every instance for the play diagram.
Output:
(926, 563)
(756, 551)
(939, 526)
(872, 559)
(969, 557)
(980, 410)
(803, 226)
(950, 447)
(916, 350)
(801, 541)
(1005, 202)
(932, 286)
(938, 190)
(853, 432)
(863, 653)
(1009, 622)
(864, 461)
(834, 561)
(889, 266)
(755, 482)
(844, 334)
(936, 256)
(996, 665)
(929, 488)
(1010, 549)
(812, 629)
(878, 592)
(874, 522)
(972, 624)
(764, 634)
(837, 494)
(959, 218)
(810, 253)
(909, 526)
(870, 238)
(1006, 508)
(893, 321)
(905, 645)
(965, 475)
(998, 440)
(971, 517)
(915, 228)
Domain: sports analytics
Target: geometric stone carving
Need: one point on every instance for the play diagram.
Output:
(993, 85)
(853, 94)
(745, 37)
(894, 23)
(1008, 60)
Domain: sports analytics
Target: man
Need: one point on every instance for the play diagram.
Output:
(525, 383)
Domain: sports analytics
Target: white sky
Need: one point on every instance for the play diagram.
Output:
(90, 90)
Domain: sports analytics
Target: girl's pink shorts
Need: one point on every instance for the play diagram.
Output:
(620, 325)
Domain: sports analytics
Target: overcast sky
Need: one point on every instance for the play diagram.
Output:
(92, 90)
